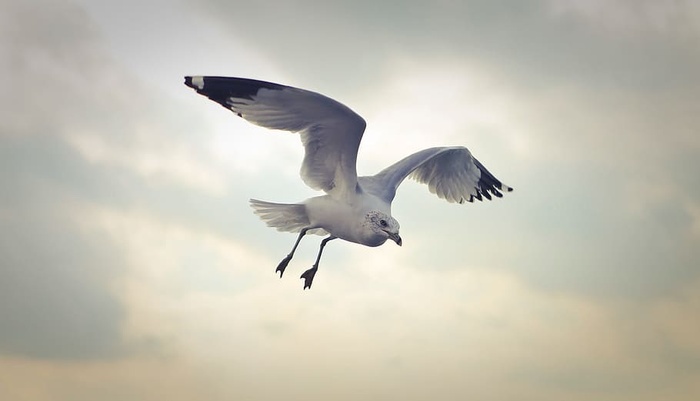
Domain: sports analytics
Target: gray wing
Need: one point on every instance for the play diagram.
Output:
(330, 131)
(452, 173)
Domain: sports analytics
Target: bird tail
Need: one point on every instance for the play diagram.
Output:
(289, 217)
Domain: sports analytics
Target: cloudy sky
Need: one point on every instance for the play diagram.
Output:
(132, 268)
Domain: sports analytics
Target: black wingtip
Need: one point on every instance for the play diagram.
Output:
(195, 82)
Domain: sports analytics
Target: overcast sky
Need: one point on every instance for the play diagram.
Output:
(131, 266)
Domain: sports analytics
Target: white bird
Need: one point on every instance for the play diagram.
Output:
(356, 209)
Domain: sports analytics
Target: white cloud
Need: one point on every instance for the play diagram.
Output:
(222, 309)
(439, 103)
(424, 333)
(155, 160)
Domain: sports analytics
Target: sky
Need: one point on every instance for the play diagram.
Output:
(132, 267)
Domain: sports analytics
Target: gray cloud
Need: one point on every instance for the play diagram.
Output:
(521, 291)
(71, 82)
(57, 299)
(356, 40)
(59, 278)
(628, 87)
(558, 240)
(56, 279)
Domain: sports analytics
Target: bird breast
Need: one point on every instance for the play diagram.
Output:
(342, 220)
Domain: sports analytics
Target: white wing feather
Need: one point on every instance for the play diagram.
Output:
(331, 135)
(452, 173)
(330, 131)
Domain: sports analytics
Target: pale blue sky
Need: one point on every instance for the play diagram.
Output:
(133, 268)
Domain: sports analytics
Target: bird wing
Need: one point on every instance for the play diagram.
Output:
(452, 173)
(330, 131)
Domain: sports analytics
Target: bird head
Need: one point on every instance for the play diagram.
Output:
(384, 226)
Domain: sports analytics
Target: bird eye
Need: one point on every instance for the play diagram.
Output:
(382, 223)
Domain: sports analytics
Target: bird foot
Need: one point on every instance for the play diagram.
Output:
(308, 277)
(283, 265)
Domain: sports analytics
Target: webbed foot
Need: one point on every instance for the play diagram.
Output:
(308, 277)
(283, 265)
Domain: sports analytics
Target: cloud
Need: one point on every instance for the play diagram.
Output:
(81, 132)
(481, 328)
(596, 181)
(626, 19)
(78, 131)
(205, 298)
(521, 41)
(131, 266)
(58, 299)
(56, 280)
(145, 378)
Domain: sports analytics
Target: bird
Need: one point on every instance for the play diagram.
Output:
(352, 208)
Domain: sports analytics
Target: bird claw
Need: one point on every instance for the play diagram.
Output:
(283, 265)
(308, 277)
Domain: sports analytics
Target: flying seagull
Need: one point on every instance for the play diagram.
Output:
(355, 209)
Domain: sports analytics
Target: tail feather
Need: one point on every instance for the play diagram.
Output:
(289, 217)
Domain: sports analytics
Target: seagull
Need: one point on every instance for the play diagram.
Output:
(355, 209)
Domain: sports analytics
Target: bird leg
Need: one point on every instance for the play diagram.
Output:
(283, 264)
(308, 275)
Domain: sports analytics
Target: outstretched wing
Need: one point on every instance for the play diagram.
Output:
(330, 131)
(452, 173)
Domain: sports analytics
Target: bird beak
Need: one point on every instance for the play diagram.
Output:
(396, 238)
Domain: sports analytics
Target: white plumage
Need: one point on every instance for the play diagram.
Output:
(356, 209)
